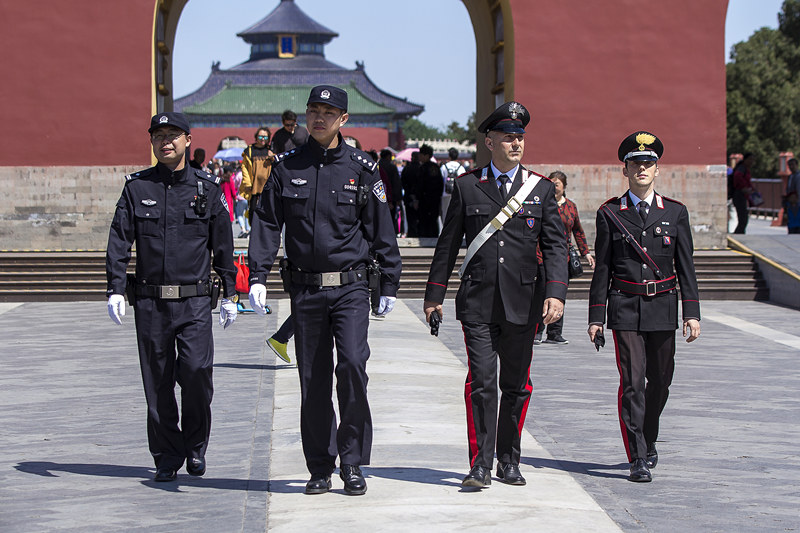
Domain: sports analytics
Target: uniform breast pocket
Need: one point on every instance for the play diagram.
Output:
(619, 245)
(195, 225)
(147, 220)
(346, 204)
(476, 216)
(664, 239)
(295, 200)
(531, 215)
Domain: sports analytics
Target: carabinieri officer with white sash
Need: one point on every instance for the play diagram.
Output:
(503, 210)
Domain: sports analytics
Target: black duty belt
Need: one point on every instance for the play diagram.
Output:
(174, 292)
(328, 279)
(648, 288)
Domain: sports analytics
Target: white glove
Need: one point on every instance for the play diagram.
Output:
(386, 305)
(227, 313)
(116, 308)
(258, 298)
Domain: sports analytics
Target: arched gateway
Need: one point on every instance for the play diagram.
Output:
(84, 77)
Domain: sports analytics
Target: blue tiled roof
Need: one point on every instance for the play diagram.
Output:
(287, 18)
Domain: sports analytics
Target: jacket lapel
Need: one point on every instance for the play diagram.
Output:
(657, 211)
(487, 184)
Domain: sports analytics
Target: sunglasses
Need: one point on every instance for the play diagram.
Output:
(263, 137)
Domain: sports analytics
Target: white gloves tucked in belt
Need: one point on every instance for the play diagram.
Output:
(258, 298)
(227, 313)
(116, 308)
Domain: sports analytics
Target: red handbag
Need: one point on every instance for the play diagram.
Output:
(242, 275)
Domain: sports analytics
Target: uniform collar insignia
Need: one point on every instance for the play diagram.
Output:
(148, 202)
(623, 203)
(484, 175)
(659, 202)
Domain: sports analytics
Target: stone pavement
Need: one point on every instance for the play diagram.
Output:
(75, 453)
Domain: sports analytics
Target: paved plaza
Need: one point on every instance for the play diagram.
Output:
(75, 452)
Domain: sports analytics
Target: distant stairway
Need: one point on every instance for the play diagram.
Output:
(76, 276)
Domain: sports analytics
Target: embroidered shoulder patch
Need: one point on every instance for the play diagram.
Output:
(379, 191)
(225, 203)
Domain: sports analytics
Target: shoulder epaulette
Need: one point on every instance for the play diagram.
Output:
(206, 176)
(609, 200)
(286, 155)
(365, 160)
(671, 200)
(140, 174)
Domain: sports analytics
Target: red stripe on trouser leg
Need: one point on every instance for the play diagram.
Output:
(472, 438)
(523, 414)
(622, 426)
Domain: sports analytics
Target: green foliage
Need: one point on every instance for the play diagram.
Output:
(763, 89)
(415, 129)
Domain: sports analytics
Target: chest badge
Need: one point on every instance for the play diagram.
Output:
(148, 202)
(658, 229)
(530, 222)
(667, 240)
(299, 181)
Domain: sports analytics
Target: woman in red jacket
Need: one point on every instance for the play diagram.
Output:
(572, 225)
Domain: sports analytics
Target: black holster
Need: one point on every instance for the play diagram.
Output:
(215, 287)
(285, 270)
(373, 274)
(130, 288)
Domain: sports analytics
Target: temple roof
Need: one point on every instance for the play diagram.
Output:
(273, 100)
(286, 18)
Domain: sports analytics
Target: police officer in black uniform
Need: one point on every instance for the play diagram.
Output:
(177, 216)
(496, 301)
(644, 246)
(331, 200)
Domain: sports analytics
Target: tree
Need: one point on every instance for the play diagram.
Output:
(415, 129)
(763, 89)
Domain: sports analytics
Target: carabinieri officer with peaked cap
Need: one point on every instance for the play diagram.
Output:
(177, 216)
(644, 249)
(503, 210)
(330, 199)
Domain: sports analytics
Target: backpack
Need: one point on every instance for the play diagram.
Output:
(452, 174)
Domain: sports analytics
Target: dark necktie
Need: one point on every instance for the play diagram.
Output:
(643, 210)
(503, 181)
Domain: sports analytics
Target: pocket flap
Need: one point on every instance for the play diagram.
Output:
(143, 211)
(478, 209)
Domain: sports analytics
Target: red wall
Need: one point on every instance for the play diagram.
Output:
(77, 82)
(594, 72)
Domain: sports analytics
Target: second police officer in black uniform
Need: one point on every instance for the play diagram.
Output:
(644, 247)
(331, 201)
(177, 216)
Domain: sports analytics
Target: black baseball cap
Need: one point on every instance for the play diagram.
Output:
(169, 118)
(328, 94)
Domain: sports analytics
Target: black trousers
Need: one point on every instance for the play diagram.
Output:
(646, 363)
(741, 202)
(322, 317)
(176, 345)
(487, 429)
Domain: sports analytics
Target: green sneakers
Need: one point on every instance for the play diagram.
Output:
(280, 349)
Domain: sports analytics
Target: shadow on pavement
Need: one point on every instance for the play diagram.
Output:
(589, 469)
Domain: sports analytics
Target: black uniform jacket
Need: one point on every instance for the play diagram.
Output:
(313, 193)
(507, 261)
(667, 239)
(173, 242)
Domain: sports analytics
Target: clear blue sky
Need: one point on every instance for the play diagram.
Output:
(423, 50)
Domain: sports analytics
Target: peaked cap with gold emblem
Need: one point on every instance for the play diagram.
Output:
(640, 146)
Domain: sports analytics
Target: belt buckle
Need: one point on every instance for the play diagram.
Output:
(331, 279)
(651, 288)
(170, 292)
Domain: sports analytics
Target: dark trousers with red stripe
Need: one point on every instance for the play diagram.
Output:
(324, 318)
(646, 363)
(512, 344)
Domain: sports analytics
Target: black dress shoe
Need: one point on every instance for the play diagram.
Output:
(478, 477)
(556, 339)
(354, 483)
(510, 474)
(652, 455)
(196, 466)
(318, 484)
(639, 471)
(165, 474)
